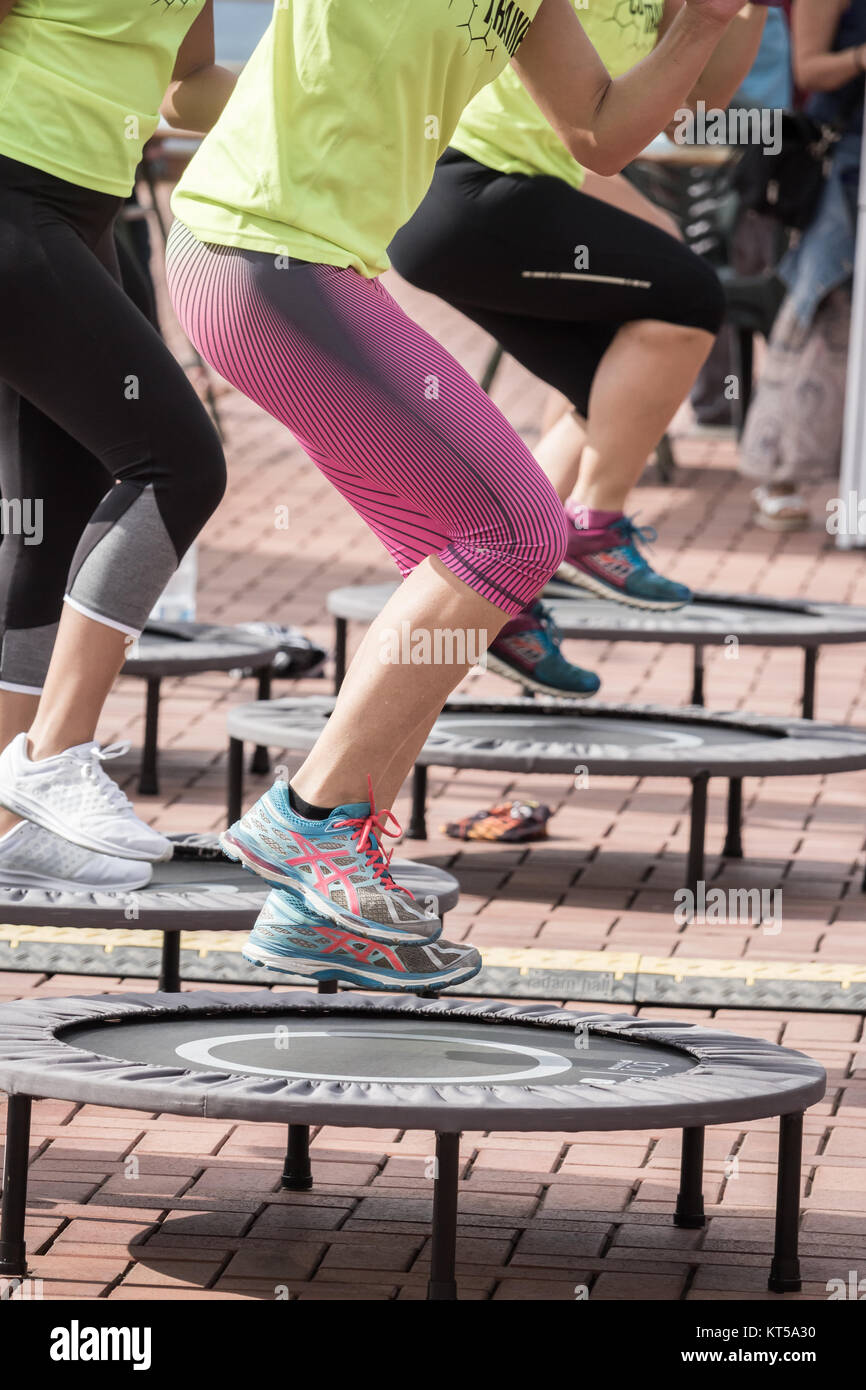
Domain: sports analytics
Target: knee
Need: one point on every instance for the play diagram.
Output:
(552, 539)
(701, 296)
(213, 476)
(205, 475)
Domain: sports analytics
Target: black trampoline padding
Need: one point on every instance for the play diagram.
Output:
(560, 736)
(709, 620)
(444, 1064)
(181, 649)
(205, 891)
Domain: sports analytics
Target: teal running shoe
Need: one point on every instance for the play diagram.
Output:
(528, 650)
(288, 938)
(336, 866)
(606, 561)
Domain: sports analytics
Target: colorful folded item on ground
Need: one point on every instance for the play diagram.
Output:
(514, 821)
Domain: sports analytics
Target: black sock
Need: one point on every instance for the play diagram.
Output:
(306, 808)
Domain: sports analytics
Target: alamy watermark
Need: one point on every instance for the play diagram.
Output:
(704, 906)
(22, 516)
(846, 516)
(438, 646)
(712, 125)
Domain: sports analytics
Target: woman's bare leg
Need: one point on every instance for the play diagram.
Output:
(641, 381)
(385, 709)
(85, 661)
(598, 462)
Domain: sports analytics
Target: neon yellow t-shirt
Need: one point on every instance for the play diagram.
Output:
(329, 141)
(81, 82)
(504, 129)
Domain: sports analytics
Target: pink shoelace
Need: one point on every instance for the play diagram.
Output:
(365, 829)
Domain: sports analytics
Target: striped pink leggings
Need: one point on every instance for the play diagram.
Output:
(399, 428)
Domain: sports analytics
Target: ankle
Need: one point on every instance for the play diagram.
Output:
(48, 744)
(310, 810)
(591, 518)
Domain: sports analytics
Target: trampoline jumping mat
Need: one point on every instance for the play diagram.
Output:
(558, 736)
(443, 1064)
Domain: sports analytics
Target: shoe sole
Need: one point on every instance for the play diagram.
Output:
(322, 906)
(39, 815)
(349, 975)
(14, 879)
(501, 668)
(581, 580)
(770, 523)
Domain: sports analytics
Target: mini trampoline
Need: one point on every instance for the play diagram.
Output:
(558, 736)
(443, 1065)
(198, 890)
(185, 649)
(709, 621)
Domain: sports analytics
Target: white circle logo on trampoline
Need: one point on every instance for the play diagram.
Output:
(539, 1063)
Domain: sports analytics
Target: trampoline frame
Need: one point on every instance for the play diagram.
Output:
(721, 1058)
(810, 644)
(153, 671)
(549, 708)
(192, 847)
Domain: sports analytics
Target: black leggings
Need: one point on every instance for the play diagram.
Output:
(550, 272)
(109, 465)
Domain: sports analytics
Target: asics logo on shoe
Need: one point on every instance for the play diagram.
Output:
(325, 940)
(614, 562)
(322, 866)
(526, 647)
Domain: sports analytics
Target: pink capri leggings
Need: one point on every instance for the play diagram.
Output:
(399, 428)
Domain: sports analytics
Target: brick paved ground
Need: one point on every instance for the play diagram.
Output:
(539, 1215)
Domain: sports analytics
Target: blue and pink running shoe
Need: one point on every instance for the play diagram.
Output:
(291, 939)
(337, 866)
(528, 651)
(607, 562)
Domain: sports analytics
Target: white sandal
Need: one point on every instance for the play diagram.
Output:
(785, 511)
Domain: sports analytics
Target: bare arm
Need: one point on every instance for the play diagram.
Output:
(731, 62)
(605, 123)
(199, 89)
(5, 8)
(816, 66)
(733, 59)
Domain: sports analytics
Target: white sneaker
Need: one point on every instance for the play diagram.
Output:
(31, 857)
(72, 795)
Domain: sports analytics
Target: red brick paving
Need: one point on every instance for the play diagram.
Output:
(546, 1217)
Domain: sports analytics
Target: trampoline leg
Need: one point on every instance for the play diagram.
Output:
(810, 672)
(418, 821)
(443, 1284)
(697, 831)
(327, 987)
(148, 777)
(698, 676)
(235, 794)
(785, 1269)
(297, 1174)
(733, 847)
(13, 1251)
(169, 970)
(341, 628)
(690, 1199)
(261, 761)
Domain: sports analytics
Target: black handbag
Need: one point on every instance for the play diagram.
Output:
(787, 186)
